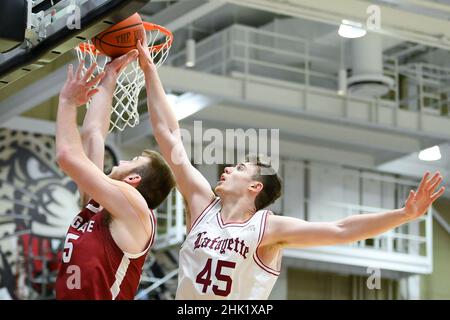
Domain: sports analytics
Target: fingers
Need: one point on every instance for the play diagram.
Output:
(142, 50)
(411, 196)
(143, 37)
(118, 64)
(423, 181)
(70, 72)
(89, 72)
(435, 176)
(438, 194)
(92, 92)
(144, 54)
(133, 54)
(140, 47)
(96, 80)
(127, 59)
(436, 182)
(79, 70)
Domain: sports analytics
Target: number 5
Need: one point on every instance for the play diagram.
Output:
(69, 246)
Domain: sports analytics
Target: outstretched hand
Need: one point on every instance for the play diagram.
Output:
(419, 201)
(115, 67)
(78, 89)
(145, 58)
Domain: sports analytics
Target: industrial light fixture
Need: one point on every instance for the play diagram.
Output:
(342, 73)
(342, 82)
(351, 29)
(430, 154)
(190, 53)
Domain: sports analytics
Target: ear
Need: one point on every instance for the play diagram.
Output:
(133, 180)
(255, 186)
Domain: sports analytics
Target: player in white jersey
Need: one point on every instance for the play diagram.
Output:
(233, 248)
(225, 253)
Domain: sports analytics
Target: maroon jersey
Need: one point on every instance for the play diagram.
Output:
(93, 266)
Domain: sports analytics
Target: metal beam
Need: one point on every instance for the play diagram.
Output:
(183, 13)
(293, 149)
(33, 95)
(408, 51)
(395, 22)
(39, 126)
(429, 5)
(48, 128)
(388, 157)
(297, 128)
(264, 95)
(185, 102)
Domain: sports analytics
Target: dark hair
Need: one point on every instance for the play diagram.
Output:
(157, 179)
(271, 181)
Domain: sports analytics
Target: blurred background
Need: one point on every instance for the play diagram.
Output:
(359, 91)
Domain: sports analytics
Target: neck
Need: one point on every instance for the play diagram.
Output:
(237, 209)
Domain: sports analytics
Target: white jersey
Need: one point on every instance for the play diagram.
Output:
(220, 261)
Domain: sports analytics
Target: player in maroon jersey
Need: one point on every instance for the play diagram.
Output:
(107, 242)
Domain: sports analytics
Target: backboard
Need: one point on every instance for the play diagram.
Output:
(52, 27)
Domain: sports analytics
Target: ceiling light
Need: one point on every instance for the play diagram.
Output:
(430, 154)
(350, 29)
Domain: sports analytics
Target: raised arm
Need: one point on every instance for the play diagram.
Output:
(292, 232)
(192, 185)
(121, 200)
(96, 121)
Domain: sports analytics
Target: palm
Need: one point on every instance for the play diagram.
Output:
(81, 97)
(116, 66)
(419, 202)
(78, 89)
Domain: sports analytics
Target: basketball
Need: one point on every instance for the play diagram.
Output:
(121, 37)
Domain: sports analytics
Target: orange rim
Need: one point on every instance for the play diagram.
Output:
(85, 47)
(153, 27)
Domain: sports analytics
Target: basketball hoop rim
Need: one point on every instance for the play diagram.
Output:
(148, 26)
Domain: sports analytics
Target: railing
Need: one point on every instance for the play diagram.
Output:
(170, 221)
(426, 88)
(261, 53)
(320, 197)
(247, 51)
(406, 239)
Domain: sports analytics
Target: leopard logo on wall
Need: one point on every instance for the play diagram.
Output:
(37, 203)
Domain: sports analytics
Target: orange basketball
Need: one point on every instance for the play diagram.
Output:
(121, 37)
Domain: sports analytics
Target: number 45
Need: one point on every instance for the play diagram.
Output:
(204, 277)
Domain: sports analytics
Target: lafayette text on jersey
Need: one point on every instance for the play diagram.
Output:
(220, 261)
(93, 265)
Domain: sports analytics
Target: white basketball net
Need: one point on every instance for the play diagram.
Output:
(124, 110)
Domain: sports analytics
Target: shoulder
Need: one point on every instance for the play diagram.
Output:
(277, 226)
(132, 202)
(270, 228)
(201, 205)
